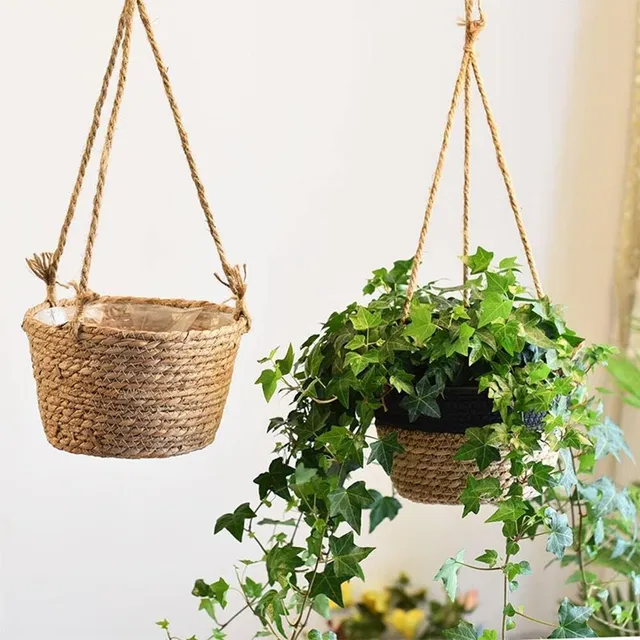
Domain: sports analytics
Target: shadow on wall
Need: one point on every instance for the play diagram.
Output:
(591, 170)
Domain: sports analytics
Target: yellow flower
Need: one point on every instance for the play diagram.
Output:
(376, 601)
(406, 622)
(347, 597)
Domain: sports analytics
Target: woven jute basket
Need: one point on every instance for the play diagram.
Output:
(120, 392)
(427, 471)
(124, 394)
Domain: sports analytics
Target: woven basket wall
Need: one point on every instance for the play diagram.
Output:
(426, 471)
(122, 394)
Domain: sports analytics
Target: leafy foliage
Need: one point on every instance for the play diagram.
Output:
(515, 349)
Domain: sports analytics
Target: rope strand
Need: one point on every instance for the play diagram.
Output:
(50, 274)
(507, 181)
(46, 266)
(469, 65)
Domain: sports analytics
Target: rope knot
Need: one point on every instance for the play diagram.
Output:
(473, 28)
(41, 264)
(236, 281)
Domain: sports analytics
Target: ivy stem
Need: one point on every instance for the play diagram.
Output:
(611, 625)
(470, 566)
(236, 614)
(546, 624)
(505, 600)
(295, 531)
(578, 503)
(297, 628)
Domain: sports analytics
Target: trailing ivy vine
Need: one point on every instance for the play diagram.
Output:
(515, 348)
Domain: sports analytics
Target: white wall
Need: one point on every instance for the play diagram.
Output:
(316, 127)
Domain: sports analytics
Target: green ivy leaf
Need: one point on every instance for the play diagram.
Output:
(508, 337)
(327, 584)
(282, 562)
(356, 342)
(286, 364)
(402, 382)
(423, 403)
(384, 449)
(347, 556)
(476, 491)
(321, 606)
(535, 336)
(269, 381)
(234, 522)
(494, 308)
(275, 480)
(252, 589)
(464, 631)
(349, 503)
(479, 446)
(567, 478)
(500, 282)
(448, 574)
(509, 263)
(421, 328)
(341, 443)
(489, 557)
(365, 319)
(215, 592)
(341, 386)
(572, 621)
(610, 440)
(601, 496)
(479, 261)
(461, 344)
(384, 508)
(360, 361)
(540, 477)
(560, 535)
(272, 607)
(509, 510)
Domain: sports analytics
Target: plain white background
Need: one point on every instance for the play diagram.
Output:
(316, 126)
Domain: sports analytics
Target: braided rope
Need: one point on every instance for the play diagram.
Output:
(469, 64)
(46, 266)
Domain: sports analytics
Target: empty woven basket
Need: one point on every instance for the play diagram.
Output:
(126, 392)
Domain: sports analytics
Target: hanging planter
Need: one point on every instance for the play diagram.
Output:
(131, 377)
(431, 468)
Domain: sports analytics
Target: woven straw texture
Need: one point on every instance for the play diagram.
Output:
(120, 394)
(426, 471)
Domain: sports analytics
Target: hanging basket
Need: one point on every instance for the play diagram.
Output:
(427, 471)
(131, 377)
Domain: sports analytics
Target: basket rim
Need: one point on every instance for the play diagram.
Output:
(239, 325)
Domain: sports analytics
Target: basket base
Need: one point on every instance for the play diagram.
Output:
(160, 450)
(427, 473)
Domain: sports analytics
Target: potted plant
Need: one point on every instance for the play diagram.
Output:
(512, 347)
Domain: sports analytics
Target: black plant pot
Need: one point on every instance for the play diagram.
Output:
(460, 409)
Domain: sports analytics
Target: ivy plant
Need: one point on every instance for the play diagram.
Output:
(490, 333)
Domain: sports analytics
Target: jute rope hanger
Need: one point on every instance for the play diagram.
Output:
(46, 266)
(469, 70)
